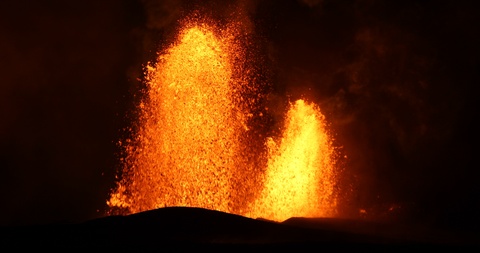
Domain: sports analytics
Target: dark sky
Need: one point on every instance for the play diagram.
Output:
(395, 80)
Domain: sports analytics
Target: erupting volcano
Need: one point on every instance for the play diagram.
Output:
(192, 147)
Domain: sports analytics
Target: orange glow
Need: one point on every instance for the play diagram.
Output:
(193, 144)
(186, 151)
(300, 178)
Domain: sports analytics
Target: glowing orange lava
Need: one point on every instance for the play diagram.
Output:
(300, 177)
(190, 146)
(186, 149)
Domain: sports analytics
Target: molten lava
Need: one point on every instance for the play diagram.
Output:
(186, 151)
(300, 175)
(190, 146)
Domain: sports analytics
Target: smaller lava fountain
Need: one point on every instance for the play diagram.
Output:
(300, 176)
(191, 146)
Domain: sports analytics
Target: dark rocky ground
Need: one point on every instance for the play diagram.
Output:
(177, 228)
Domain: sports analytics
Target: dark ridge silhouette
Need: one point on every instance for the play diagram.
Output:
(180, 228)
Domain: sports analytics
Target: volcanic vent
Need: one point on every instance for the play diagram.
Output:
(193, 144)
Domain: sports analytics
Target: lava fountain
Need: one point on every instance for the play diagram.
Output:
(186, 149)
(191, 147)
(300, 177)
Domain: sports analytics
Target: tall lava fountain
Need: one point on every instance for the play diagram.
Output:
(190, 149)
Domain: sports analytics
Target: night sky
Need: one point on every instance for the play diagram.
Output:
(395, 81)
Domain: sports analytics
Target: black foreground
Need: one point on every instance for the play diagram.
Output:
(195, 229)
